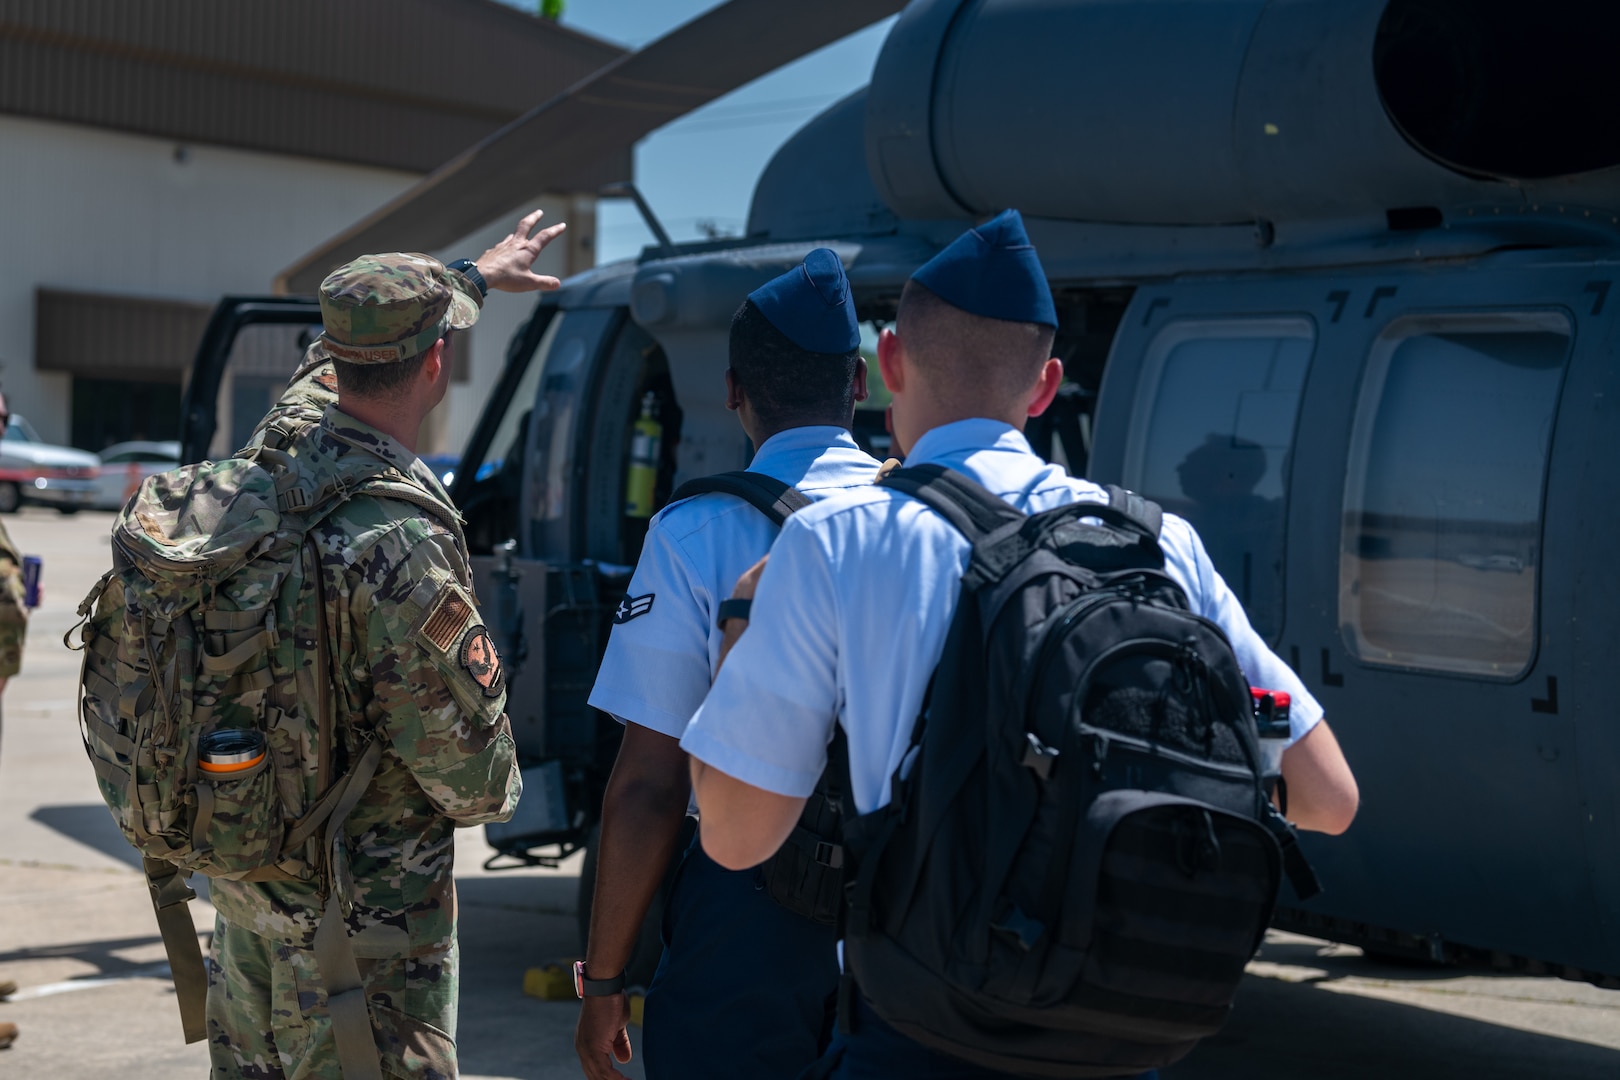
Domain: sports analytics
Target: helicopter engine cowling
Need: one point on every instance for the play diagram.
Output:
(1208, 112)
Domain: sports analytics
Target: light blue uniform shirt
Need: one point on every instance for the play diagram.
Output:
(850, 619)
(661, 658)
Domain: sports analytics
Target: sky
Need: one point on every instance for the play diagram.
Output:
(702, 167)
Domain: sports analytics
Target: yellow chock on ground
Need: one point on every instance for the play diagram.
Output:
(638, 1005)
(554, 982)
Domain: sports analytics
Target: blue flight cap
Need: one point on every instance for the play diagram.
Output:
(992, 270)
(811, 305)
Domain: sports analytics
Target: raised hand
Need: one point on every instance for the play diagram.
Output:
(506, 266)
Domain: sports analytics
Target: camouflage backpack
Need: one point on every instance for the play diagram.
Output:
(205, 654)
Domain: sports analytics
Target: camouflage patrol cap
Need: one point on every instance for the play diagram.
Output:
(381, 309)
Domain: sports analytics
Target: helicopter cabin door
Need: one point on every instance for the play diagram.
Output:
(1391, 470)
(573, 455)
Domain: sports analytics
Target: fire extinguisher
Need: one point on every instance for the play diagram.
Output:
(642, 475)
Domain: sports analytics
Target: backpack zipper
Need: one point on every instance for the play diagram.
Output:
(1148, 748)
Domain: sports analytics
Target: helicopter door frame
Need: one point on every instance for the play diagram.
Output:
(520, 353)
(549, 605)
(1580, 493)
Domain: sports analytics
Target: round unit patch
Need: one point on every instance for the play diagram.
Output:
(482, 662)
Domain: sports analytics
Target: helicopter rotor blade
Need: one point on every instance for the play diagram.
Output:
(575, 141)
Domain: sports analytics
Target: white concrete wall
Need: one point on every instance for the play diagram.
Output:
(99, 211)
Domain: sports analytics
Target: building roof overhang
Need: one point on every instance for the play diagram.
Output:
(396, 84)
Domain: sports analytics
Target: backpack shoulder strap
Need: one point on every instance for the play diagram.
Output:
(405, 489)
(316, 497)
(1143, 513)
(974, 510)
(334, 951)
(766, 494)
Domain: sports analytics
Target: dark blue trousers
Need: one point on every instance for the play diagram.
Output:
(875, 1051)
(745, 989)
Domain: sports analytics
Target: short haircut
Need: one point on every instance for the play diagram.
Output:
(380, 380)
(789, 386)
(376, 380)
(975, 358)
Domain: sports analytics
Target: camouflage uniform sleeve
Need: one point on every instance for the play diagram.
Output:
(13, 615)
(438, 690)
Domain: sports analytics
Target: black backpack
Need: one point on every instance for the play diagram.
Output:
(806, 875)
(1080, 855)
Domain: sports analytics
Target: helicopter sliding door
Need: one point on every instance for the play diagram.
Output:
(519, 488)
(543, 487)
(1450, 570)
(1410, 543)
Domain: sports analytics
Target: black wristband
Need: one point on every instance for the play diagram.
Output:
(585, 988)
(469, 270)
(737, 607)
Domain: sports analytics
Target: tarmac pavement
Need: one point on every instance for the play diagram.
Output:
(76, 927)
(77, 935)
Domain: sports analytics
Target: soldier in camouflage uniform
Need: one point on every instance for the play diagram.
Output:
(13, 630)
(414, 663)
(13, 615)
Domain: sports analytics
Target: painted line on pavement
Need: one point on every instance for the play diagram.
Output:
(29, 993)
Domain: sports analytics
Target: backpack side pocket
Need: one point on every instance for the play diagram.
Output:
(236, 823)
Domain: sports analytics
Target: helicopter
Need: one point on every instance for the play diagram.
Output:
(1335, 282)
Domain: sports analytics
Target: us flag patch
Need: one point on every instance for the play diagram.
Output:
(632, 607)
(449, 615)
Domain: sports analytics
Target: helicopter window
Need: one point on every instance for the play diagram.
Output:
(489, 497)
(520, 478)
(1212, 441)
(507, 442)
(1442, 514)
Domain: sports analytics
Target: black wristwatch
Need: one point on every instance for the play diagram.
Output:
(737, 607)
(585, 988)
(469, 270)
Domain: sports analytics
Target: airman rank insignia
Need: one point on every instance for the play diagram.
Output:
(632, 607)
(482, 662)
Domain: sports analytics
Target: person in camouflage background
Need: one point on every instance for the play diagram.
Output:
(13, 631)
(414, 663)
(13, 615)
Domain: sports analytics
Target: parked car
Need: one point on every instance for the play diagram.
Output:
(32, 470)
(124, 465)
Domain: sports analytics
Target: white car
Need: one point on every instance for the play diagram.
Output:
(32, 470)
(124, 465)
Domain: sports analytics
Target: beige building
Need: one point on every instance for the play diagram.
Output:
(156, 155)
